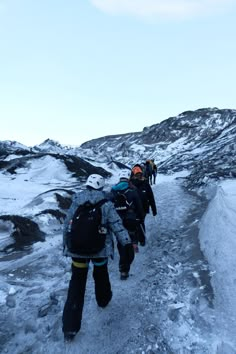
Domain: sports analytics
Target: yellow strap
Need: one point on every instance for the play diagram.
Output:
(80, 264)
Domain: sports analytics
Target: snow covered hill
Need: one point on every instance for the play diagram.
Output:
(180, 297)
(201, 141)
(170, 304)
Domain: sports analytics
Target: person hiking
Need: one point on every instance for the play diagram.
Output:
(147, 197)
(129, 206)
(111, 223)
(148, 171)
(154, 172)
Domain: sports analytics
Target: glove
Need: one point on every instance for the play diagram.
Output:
(154, 213)
(129, 252)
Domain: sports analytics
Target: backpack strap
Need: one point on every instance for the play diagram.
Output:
(100, 203)
(90, 205)
(130, 205)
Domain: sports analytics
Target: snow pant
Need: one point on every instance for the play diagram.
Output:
(124, 261)
(141, 234)
(149, 178)
(72, 313)
(154, 177)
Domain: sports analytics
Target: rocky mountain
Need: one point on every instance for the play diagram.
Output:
(180, 290)
(201, 142)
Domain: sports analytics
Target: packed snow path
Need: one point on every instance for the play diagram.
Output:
(166, 306)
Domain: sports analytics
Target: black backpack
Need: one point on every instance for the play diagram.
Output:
(86, 235)
(121, 203)
(125, 210)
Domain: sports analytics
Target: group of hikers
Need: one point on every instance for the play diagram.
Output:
(94, 217)
(149, 169)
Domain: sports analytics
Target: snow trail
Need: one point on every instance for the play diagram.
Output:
(168, 292)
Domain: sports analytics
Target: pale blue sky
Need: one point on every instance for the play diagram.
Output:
(80, 69)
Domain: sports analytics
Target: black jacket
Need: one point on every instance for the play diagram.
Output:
(146, 194)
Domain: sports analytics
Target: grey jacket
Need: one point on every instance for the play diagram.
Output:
(110, 219)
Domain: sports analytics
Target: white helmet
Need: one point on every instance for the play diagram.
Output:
(125, 174)
(95, 181)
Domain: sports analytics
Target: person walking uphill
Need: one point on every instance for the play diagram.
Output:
(154, 172)
(84, 241)
(148, 171)
(146, 195)
(130, 209)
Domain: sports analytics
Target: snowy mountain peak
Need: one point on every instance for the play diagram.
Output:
(11, 145)
(49, 145)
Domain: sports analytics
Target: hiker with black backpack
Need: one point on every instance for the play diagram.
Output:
(87, 236)
(147, 197)
(128, 205)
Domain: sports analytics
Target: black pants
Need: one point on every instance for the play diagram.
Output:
(72, 313)
(141, 233)
(124, 261)
(154, 178)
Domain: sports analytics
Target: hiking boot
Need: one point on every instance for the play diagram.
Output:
(103, 303)
(69, 336)
(124, 275)
(142, 243)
